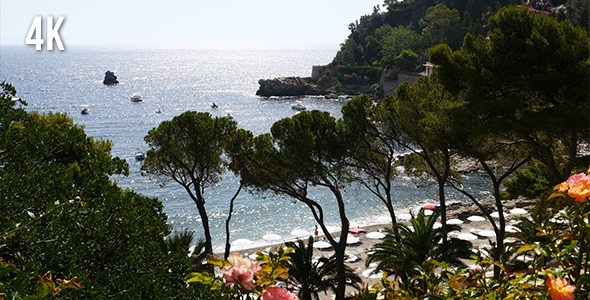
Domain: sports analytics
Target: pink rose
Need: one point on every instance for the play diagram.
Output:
(242, 271)
(277, 293)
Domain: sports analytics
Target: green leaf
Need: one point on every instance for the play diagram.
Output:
(524, 248)
(204, 278)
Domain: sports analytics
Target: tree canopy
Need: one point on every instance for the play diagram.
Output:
(188, 150)
(62, 213)
(308, 149)
(530, 78)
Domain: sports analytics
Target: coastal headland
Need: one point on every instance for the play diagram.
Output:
(339, 81)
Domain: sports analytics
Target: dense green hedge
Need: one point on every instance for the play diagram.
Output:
(372, 73)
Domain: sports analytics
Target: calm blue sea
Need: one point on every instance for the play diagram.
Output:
(179, 80)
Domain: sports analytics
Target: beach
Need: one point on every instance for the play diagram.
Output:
(520, 208)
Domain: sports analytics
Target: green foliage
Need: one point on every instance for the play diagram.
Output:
(407, 61)
(188, 150)
(417, 25)
(369, 75)
(308, 149)
(530, 182)
(415, 245)
(312, 277)
(14, 283)
(529, 78)
(374, 147)
(441, 25)
(61, 212)
(401, 38)
(326, 77)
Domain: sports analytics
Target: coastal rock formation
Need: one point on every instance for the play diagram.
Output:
(110, 78)
(288, 86)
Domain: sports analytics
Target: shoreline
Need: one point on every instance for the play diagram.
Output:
(454, 211)
(360, 249)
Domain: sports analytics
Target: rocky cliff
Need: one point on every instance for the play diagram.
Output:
(306, 86)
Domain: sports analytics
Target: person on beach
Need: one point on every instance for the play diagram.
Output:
(316, 233)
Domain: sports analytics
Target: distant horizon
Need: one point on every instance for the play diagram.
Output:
(192, 24)
(204, 47)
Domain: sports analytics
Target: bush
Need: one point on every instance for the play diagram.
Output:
(530, 182)
(372, 74)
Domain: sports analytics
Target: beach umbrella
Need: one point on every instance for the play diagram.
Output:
(497, 215)
(351, 240)
(351, 258)
(429, 206)
(300, 233)
(375, 235)
(454, 222)
(487, 233)
(518, 211)
(242, 244)
(271, 237)
(476, 219)
(322, 245)
(467, 237)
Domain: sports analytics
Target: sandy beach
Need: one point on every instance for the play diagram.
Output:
(477, 231)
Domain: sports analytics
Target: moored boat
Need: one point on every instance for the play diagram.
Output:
(136, 97)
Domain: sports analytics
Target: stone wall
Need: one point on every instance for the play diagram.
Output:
(316, 72)
(390, 85)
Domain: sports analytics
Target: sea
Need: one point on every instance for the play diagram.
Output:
(173, 81)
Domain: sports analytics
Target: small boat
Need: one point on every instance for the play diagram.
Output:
(214, 105)
(85, 109)
(136, 97)
(298, 107)
(228, 115)
(139, 155)
(158, 111)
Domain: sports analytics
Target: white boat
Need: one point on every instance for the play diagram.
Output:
(136, 97)
(228, 115)
(139, 155)
(85, 109)
(298, 107)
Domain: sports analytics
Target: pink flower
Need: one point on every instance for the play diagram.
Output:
(277, 293)
(559, 289)
(577, 187)
(242, 271)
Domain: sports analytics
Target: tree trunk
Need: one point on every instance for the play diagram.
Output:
(231, 209)
(200, 202)
(339, 250)
(443, 206)
(499, 250)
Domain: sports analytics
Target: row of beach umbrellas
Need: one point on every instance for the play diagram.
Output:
(474, 234)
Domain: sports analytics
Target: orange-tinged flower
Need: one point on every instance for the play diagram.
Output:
(559, 289)
(577, 187)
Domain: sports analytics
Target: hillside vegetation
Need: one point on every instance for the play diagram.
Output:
(402, 35)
